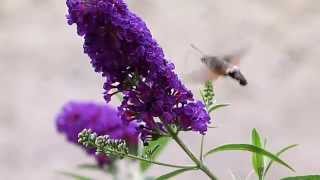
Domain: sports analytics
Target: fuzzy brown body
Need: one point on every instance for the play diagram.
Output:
(215, 64)
(224, 66)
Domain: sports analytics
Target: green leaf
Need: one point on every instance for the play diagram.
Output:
(257, 158)
(278, 154)
(215, 107)
(75, 176)
(212, 127)
(174, 173)
(250, 148)
(161, 143)
(310, 177)
(110, 169)
(149, 178)
(89, 166)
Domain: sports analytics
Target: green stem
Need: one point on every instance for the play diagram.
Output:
(199, 164)
(201, 148)
(158, 163)
(146, 160)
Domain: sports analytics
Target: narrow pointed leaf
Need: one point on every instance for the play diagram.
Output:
(110, 169)
(149, 178)
(89, 166)
(278, 154)
(257, 158)
(212, 127)
(310, 177)
(250, 148)
(161, 143)
(215, 107)
(75, 176)
(174, 173)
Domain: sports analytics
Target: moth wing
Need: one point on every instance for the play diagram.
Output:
(234, 60)
(236, 57)
(201, 75)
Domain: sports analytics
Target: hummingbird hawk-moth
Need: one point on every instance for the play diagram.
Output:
(217, 66)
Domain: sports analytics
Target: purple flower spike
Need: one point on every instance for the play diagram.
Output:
(103, 120)
(121, 47)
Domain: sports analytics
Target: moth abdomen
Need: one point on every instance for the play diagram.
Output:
(237, 75)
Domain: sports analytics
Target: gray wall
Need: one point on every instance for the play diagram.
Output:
(42, 66)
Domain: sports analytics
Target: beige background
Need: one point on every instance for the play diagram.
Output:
(42, 66)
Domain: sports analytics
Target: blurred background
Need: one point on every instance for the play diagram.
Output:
(42, 66)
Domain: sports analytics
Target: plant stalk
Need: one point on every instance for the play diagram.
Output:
(199, 164)
(147, 160)
(158, 163)
(201, 148)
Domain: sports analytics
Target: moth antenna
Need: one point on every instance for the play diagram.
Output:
(197, 49)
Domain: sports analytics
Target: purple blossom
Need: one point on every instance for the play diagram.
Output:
(121, 47)
(102, 119)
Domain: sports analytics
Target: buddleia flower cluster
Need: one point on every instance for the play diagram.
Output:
(102, 119)
(122, 49)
